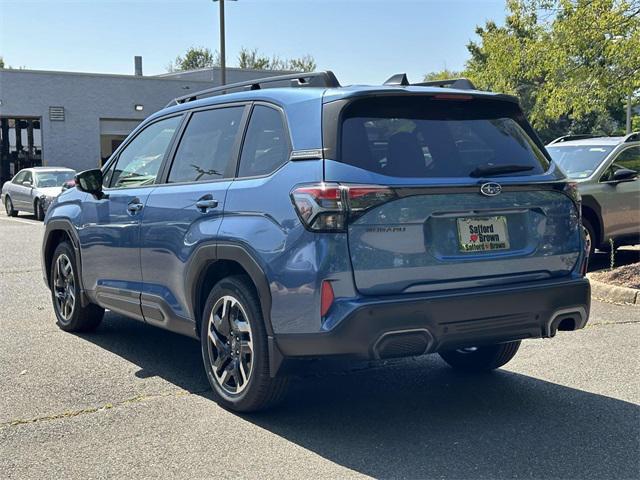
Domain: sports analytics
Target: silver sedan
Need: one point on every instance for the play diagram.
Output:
(33, 189)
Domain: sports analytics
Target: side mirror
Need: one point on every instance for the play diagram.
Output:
(90, 181)
(624, 175)
(27, 183)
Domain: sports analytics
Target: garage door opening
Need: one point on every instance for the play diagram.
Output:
(20, 145)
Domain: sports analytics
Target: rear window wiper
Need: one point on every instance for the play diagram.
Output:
(499, 170)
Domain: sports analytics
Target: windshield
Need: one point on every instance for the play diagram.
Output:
(579, 161)
(53, 179)
(428, 137)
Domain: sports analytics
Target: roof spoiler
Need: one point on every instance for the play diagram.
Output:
(312, 79)
(401, 79)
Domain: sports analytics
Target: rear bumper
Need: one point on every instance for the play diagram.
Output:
(397, 326)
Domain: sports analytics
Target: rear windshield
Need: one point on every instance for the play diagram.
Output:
(431, 137)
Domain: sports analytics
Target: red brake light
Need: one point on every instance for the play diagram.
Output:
(449, 96)
(326, 297)
(327, 206)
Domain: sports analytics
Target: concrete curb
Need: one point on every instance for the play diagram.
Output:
(614, 293)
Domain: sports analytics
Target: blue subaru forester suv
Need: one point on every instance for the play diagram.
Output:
(291, 218)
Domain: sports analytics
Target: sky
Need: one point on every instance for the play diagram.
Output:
(362, 41)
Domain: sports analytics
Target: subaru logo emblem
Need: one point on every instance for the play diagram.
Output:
(490, 189)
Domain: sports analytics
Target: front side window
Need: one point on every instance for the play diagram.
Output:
(629, 159)
(207, 146)
(266, 146)
(19, 178)
(139, 162)
(429, 137)
(28, 177)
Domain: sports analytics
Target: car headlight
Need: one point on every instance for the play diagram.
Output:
(46, 201)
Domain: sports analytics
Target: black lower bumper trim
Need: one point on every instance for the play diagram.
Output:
(449, 321)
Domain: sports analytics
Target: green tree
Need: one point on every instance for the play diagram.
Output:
(443, 74)
(201, 57)
(571, 62)
(305, 63)
(250, 59)
(194, 59)
(253, 60)
(1, 62)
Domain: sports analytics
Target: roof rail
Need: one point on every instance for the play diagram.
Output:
(632, 137)
(567, 138)
(312, 79)
(459, 83)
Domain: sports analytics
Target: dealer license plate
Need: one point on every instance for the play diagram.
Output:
(483, 234)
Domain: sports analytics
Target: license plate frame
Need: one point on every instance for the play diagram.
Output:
(483, 234)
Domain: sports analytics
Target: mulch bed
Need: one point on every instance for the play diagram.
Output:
(625, 276)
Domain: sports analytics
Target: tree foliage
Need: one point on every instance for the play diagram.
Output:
(572, 63)
(1, 62)
(201, 57)
(251, 59)
(443, 74)
(195, 58)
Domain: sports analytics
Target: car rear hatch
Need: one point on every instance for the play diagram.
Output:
(449, 192)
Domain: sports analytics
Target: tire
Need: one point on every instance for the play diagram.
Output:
(8, 206)
(37, 210)
(590, 235)
(227, 359)
(65, 294)
(481, 359)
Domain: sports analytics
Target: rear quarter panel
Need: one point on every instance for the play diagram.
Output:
(260, 216)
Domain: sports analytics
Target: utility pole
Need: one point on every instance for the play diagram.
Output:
(223, 59)
(628, 114)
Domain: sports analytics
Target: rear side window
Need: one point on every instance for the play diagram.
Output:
(429, 137)
(266, 146)
(207, 146)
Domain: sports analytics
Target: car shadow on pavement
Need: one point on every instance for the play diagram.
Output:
(417, 418)
(158, 353)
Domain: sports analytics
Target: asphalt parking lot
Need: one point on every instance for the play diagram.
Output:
(131, 401)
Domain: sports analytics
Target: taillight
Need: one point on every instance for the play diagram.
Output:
(329, 206)
(326, 297)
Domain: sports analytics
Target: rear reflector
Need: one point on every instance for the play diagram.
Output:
(326, 297)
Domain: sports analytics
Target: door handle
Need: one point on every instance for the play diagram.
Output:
(135, 206)
(205, 203)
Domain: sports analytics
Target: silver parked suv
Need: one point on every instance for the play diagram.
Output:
(606, 170)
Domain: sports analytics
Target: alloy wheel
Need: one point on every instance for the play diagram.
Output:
(587, 239)
(8, 206)
(230, 345)
(64, 287)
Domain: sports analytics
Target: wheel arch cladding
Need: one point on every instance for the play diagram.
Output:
(212, 263)
(52, 240)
